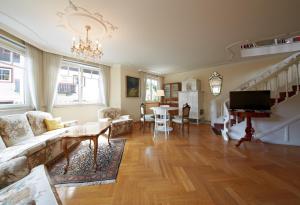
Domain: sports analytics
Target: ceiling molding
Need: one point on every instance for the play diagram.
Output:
(24, 26)
(74, 18)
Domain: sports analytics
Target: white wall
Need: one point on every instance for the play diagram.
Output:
(82, 113)
(115, 86)
(130, 105)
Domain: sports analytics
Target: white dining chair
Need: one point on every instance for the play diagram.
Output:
(161, 121)
(166, 106)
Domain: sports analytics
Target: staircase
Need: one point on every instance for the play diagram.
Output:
(283, 79)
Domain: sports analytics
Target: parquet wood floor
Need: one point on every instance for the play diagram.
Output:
(197, 169)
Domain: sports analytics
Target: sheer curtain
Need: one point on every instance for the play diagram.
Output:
(51, 65)
(34, 61)
(143, 76)
(104, 85)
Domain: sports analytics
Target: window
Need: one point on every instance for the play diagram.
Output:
(12, 81)
(78, 84)
(151, 89)
(5, 74)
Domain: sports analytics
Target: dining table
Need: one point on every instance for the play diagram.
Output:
(166, 108)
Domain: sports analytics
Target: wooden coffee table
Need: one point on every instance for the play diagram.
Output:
(89, 131)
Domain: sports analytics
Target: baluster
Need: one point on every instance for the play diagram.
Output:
(286, 84)
(297, 69)
(277, 89)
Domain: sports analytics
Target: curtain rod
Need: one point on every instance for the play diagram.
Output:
(83, 63)
(12, 41)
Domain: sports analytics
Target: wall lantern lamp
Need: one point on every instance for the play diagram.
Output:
(215, 83)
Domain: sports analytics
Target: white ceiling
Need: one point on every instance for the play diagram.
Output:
(162, 36)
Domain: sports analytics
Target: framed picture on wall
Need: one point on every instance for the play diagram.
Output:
(132, 86)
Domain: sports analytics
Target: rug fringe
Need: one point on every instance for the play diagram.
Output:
(86, 183)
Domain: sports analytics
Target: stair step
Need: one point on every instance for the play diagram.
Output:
(217, 128)
(294, 87)
(290, 94)
(272, 101)
(281, 99)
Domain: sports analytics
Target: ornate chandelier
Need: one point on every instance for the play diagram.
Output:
(86, 48)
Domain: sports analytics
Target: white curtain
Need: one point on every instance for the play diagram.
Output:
(34, 61)
(144, 77)
(51, 65)
(143, 86)
(104, 85)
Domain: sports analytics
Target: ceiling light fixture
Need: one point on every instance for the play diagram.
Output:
(215, 83)
(87, 49)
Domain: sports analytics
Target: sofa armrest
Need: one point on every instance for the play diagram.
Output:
(13, 170)
(70, 123)
(105, 119)
(125, 117)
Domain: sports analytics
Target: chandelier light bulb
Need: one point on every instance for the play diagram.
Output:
(87, 49)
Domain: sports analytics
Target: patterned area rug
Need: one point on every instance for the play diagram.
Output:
(81, 169)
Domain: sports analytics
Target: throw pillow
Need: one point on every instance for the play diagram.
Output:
(53, 124)
(36, 121)
(14, 129)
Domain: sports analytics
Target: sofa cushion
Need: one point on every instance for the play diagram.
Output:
(36, 121)
(13, 170)
(112, 113)
(2, 145)
(45, 137)
(20, 150)
(14, 129)
(35, 187)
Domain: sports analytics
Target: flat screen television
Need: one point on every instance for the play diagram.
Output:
(250, 100)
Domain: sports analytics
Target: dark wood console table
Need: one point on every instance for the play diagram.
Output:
(249, 129)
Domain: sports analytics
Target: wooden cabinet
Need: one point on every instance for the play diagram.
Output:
(171, 96)
(171, 92)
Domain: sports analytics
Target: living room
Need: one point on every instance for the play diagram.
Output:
(139, 102)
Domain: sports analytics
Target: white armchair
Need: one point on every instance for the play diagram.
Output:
(121, 124)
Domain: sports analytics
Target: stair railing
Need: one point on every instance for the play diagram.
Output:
(277, 78)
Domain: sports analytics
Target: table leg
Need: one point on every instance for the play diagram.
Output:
(90, 145)
(249, 131)
(95, 140)
(109, 133)
(66, 153)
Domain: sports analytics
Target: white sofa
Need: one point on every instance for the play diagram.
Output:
(25, 135)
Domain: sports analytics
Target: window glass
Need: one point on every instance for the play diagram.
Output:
(68, 86)
(78, 85)
(5, 55)
(90, 87)
(151, 89)
(12, 80)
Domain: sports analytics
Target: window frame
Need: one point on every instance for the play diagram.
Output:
(10, 74)
(81, 78)
(158, 87)
(18, 48)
